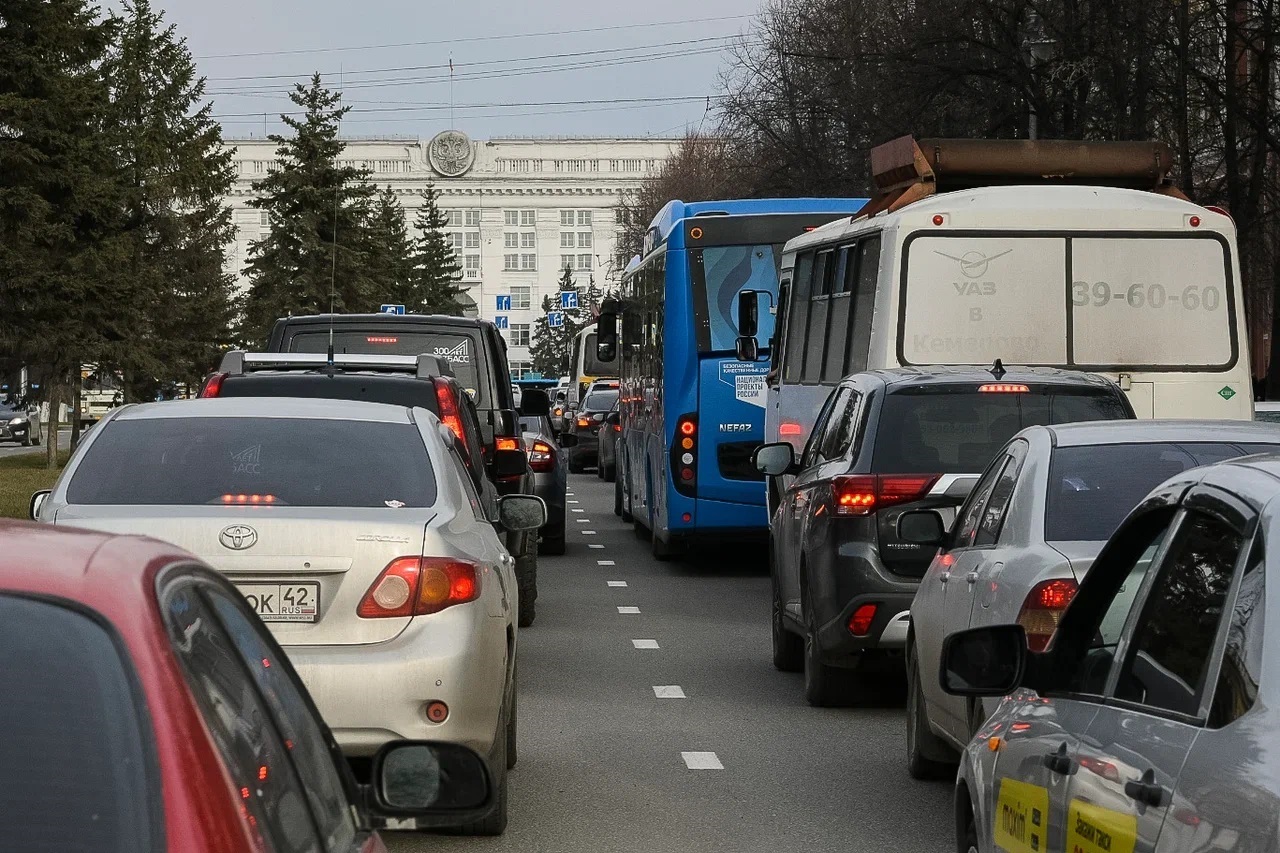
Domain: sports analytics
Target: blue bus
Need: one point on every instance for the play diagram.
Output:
(691, 412)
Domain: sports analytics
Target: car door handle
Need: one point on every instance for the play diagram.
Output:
(972, 577)
(1058, 762)
(944, 576)
(1145, 790)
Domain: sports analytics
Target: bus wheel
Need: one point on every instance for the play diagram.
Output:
(662, 551)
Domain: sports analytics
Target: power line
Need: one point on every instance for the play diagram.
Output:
(469, 39)
(600, 109)
(427, 106)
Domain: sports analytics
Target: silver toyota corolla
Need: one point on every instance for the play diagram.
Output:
(352, 530)
(1024, 540)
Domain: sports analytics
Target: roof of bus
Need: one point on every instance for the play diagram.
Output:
(982, 208)
(674, 211)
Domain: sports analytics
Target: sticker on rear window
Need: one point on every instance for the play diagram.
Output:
(247, 461)
(460, 354)
(395, 504)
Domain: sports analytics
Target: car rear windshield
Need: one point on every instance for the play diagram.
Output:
(394, 390)
(600, 401)
(76, 756)
(1087, 500)
(284, 461)
(950, 430)
(458, 348)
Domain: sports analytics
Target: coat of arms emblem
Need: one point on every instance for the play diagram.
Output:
(450, 153)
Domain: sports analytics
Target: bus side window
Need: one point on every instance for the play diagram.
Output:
(801, 285)
(779, 339)
(839, 315)
(862, 304)
(816, 338)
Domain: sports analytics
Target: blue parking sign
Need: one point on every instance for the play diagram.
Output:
(502, 321)
(568, 299)
(555, 319)
(504, 303)
(391, 309)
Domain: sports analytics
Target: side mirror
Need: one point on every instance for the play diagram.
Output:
(922, 527)
(774, 459)
(509, 463)
(534, 402)
(38, 500)
(521, 512)
(988, 661)
(568, 439)
(436, 783)
(748, 348)
(607, 337)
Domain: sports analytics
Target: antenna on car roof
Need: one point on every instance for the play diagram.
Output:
(997, 370)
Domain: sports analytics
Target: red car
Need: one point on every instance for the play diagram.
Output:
(146, 709)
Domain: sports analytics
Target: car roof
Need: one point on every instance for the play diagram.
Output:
(306, 408)
(339, 320)
(949, 374)
(1142, 431)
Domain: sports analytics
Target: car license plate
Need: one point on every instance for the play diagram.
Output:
(283, 602)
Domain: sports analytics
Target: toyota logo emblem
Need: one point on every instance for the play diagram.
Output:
(238, 537)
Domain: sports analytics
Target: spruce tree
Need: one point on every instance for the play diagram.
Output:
(315, 255)
(177, 173)
(550, 346)
(62, 256)
(437, 275)
(391, 250)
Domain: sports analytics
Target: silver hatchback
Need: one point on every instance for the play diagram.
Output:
(353, 531)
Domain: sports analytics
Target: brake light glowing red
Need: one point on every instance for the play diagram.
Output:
(1003, 388)
(381, 339)
(863, 494)
(420, 586)
(249, 499)
(688, 427)
(542, 457)
(787, 428)
(447, 402)
(860, 621)
(213, 385)
(1043, 609)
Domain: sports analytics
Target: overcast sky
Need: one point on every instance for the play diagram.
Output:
(391, 58)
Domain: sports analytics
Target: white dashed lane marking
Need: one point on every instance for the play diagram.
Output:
(573, 502)
(593, 546)
(617, 583)
(577, 510)
(670, 691)
(605, 563)
(626, 609)
(701, 761)
(590, 533)
(583, 520)
(645, 644)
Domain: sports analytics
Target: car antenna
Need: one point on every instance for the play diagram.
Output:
(997, 370)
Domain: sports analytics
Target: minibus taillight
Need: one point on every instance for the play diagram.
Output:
(684, 455)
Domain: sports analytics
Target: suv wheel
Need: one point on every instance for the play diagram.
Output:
(527, 581)
(928, 756)
(824, 686)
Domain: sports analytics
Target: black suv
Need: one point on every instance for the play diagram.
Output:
(887, 441)
(423, 381)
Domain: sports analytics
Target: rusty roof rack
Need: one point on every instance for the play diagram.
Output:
(905, 170)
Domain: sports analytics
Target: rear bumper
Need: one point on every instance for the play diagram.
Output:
(375, 693)
(851, 579)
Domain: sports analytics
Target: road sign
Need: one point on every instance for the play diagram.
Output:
(391, 309)
(555, 319)
(504, 303)
(502, 321)
(568, 299)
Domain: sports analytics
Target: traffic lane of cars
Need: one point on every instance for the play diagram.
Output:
(600, 767)
(380, 571)
(123, 658)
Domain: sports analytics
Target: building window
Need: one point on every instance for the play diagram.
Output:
(584, 218)
(566, 262)
(566, 219)
(528, 239)
(566, 240)
(520, 218)
(510, 218)
(519, 334)
(528, 218)
(473, 239)
(455, 239)
(473, 219)
(528, 262)
(471, 265)
(454, 218)
(584, 262)
(511, 262)
(511, 240)
(520, 369)
(266, 219)
(584, 239)
(521, 297)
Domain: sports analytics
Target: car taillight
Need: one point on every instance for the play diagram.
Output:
(420, 586)
(542, 457)
(1042, 610)
(506, 444)
(617, 427)
(860, 621)
(447, 402)
(684, 455)
(584, 423)
(863, 494)
(213, 385)
(1003, 388)
(249, 500)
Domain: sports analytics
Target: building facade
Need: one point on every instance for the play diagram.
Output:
(520, 210)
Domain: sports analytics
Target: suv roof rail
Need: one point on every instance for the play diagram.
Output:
(239, 362)
(906, 170)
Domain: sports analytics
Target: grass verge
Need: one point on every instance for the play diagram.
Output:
(20, 476)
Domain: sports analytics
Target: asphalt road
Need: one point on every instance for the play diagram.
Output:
(601, 764)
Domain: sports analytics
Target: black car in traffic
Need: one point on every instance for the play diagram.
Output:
(583, 445)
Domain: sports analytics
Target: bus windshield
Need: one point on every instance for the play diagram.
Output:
(1115, 301)
(719, 273)
(592, 366)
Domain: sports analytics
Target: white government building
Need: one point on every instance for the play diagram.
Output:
(520, 210)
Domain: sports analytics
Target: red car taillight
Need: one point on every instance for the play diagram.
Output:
(860, 621)
(447, 402)
(542, 457)
(420, 586)
(1042, 610)
(213, 385)
(684, 455)
(584, 423)
(863, 494)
